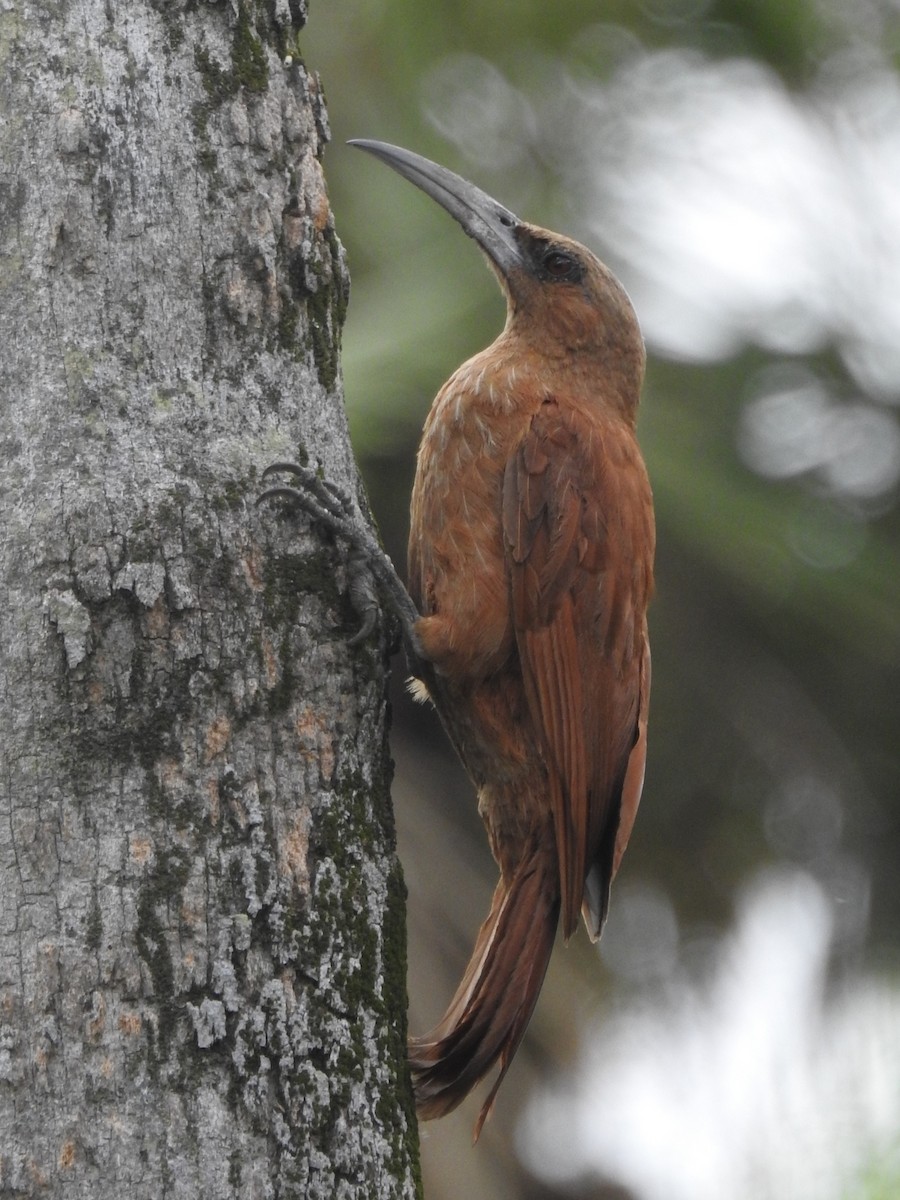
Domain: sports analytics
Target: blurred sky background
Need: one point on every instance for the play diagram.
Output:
(737, 163)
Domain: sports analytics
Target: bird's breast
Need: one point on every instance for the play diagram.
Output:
(456, 553)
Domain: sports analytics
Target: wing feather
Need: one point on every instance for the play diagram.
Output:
(578, 602)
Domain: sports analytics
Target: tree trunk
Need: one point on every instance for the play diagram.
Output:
(202, 947)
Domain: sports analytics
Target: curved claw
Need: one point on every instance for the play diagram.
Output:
(365, 630)
(281, 489)
(363, 596)
(331, 498)
(370, 569)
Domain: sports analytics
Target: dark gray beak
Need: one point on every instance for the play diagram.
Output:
(490, 224)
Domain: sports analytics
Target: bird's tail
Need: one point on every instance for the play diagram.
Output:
(493, 1004)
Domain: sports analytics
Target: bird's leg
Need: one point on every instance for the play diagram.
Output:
(369, 568)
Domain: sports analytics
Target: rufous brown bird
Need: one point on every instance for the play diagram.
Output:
(530, 571)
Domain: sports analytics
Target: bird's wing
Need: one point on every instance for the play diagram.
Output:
(578, 531)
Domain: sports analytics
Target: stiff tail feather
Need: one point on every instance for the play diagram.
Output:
(490, 1011)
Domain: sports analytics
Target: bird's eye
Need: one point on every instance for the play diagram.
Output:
(558, 264)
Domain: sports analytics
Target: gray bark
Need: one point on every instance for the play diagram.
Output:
(202, 947)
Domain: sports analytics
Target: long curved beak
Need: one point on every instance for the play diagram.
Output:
(490, 224)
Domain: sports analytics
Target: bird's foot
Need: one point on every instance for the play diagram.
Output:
(369, 568)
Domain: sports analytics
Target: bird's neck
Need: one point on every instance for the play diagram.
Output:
(590, 372)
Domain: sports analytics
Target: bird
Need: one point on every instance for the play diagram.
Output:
(529, 575)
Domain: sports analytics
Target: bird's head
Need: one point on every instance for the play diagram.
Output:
(561, 299)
